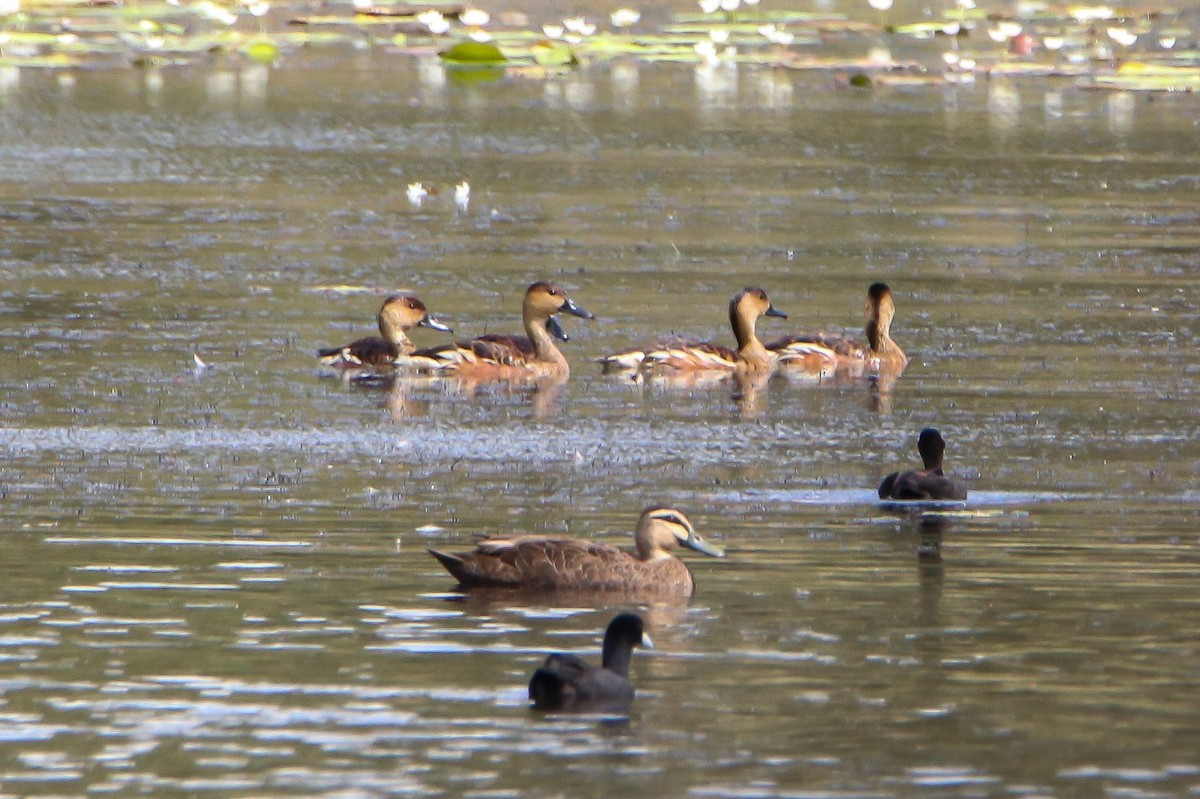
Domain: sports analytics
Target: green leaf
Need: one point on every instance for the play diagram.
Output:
(473, 53)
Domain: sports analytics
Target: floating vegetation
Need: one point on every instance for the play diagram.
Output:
(1096, 45)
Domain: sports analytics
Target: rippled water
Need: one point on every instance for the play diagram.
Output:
(215, 580)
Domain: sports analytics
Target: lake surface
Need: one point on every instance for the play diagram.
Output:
(215, 581)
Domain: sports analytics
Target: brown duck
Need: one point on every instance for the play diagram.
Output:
(399, 314)
(828, 353)
(685, 355)
(539, 563)
(501, 357)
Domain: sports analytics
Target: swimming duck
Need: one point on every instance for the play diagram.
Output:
(575, 564)
(399, 314)
(685, 355)
(567, 682)
(827, 353)
(499, 357)
(929, 483)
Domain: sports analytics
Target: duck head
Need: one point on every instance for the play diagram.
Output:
(662, 529)
(404, 312)
(545, 299)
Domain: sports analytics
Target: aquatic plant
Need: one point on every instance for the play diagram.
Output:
(1096, 44)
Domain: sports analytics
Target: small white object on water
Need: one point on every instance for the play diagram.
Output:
(434, 20)
(624, 17)
(880, 5)
(462, 195)
(1123, 37)
(417, 192)
(430, 529)
(474, 17)
(553, 31)
(198, 365)
(710, 6)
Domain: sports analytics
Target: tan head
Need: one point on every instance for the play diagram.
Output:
(403, 312)
(745, 308)
(660, 530)
(544, 299)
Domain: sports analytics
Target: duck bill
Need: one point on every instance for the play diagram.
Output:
(773, 311)
(555, 328)
(695, 543)
(571, 308)
(646, 642)
(434, 324)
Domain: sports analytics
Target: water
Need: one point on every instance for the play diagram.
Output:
(215, 580)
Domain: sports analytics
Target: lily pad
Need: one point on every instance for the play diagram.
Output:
(472, 53)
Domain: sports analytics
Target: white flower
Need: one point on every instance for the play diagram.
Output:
(434, 20)
(1053, 42)
(1004, 31)
(362, 5)
(950, 57)
(624, 17)
(574, 24)
(730, 5)
(785, 38)
(1090, 13)
(719, 35)
(1166, 42)
(478, 35)
(965, 5)
(553, 31)
(880, 5)
(259, 9)
(9, 7)
(417, 192)
(1122, 37)
(709, 6)
(474, 17)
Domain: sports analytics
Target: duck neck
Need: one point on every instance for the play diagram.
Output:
(879, 334)
(750, 350)
(932, 458)
(544, 349)
(616, 653)
(395, 334)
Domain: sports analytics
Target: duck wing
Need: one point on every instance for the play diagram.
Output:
(919, 484)
(369, 351)
(684, 354)
(543, 563)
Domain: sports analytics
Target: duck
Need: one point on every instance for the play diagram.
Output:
(930, 483)
(827, 353)
(399, 314)
(574, 564)
(681, 355)
(501, 357)
(568, 682)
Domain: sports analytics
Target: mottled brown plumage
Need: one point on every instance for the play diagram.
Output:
(542, 563)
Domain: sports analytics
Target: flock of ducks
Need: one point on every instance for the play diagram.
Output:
(540, 563)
